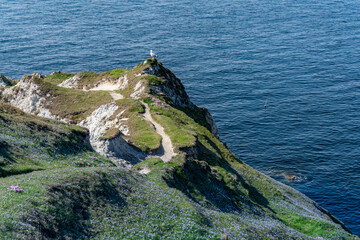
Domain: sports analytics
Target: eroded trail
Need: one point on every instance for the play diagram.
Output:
(166, 141)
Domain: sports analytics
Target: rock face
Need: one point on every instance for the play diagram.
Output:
(4, 81)
(70, 82)
(174, 89)
(117, 149)
(28, 97)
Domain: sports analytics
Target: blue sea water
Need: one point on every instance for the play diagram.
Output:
(300, 58)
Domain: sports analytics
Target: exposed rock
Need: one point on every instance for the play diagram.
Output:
(70, 82)
(117, 149)
(116, 96)
(4, 81)
(104, 84)
(175, 90)
(210, 121)
(138, 90)
(172, 87)
(27, 96)
(290, 177)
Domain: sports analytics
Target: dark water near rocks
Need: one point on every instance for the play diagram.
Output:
(300, 58)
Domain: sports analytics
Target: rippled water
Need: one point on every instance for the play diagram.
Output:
(300, 58)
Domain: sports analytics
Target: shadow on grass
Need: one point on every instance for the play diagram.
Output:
(68, 209)
(225, 189)
(254, 194)
(5, 153)
(7, 159)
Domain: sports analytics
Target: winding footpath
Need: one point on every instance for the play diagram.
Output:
(165, 141)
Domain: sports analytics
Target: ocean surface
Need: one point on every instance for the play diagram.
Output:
(299, 58)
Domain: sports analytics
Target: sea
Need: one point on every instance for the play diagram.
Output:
(281, 78)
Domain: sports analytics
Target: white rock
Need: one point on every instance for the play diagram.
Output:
(70, 82)
(27, 97)
(116, 149)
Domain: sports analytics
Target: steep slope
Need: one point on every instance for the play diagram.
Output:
(203, 191)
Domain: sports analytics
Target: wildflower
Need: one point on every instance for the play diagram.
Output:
(15, 188)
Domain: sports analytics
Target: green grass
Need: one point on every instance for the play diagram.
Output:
(309, 226)
(105, 203)
(141, 132)
(29, 143)
(157, 164)
(153, 80)
(111, 134)
(180, 132)
(58, 77)
(116, 73)
(143, 135)
(71, 103)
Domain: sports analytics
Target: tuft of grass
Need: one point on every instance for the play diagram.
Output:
(153, 80)
(116, 73)
(58, 77)
(308, 226)
(111, 134)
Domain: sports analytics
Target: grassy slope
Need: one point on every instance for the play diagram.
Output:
(214, 177)
(30, 143)
(141, 132)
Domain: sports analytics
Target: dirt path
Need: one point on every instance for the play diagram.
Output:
(165, 142)
(109, 87)
(116, 96)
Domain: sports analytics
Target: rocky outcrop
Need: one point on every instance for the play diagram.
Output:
(117, 149)
(27, 96)
(175, 90)
(4, 81)
(210, 121)
(70, 82)
(172, 87)
(138, 90)
(103, 83)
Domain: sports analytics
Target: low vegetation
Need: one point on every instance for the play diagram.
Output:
(29, 143)
(141, 132)
(70, 103)
(58, 77)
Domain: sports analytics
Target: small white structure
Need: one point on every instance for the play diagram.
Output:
(152, 54)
